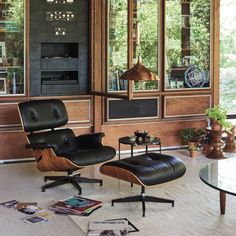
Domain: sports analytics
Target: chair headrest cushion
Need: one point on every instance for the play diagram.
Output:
(42, 114)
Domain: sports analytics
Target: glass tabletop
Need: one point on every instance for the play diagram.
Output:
(220, 175)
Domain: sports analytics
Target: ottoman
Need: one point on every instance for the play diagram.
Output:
(145, 170)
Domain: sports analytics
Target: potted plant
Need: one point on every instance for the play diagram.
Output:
(193, 150)
(192, 135)
(218, 118)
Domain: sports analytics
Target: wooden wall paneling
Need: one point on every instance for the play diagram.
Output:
(181, 106)
(9, 115)
(78, 130)
(168, 131)
(79, 111)
(12, 145)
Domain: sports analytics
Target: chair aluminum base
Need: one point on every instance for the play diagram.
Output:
(73, 179)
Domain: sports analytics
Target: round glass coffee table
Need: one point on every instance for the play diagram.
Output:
(221, 175)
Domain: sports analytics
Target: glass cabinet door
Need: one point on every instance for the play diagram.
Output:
(141, 17)
(12, 47)
(117, 43)
(187, 62)
(145, 21)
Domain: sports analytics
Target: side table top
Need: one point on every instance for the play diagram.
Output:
(148, 141)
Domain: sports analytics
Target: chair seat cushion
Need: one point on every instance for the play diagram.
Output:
(91, 156)
(146, 169)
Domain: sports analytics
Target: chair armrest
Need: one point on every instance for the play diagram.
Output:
(90, 140)
(38, 146)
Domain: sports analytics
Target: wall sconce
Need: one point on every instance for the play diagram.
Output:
(137, 73)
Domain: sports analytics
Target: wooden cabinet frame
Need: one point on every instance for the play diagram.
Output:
(99, 52)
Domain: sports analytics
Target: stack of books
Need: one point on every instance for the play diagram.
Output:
(75, 205)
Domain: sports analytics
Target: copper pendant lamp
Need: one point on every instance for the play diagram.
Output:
(137, 73)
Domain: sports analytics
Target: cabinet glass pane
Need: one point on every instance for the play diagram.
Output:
(117, 43)
(145, 38)
(12, 47)
(187, 62)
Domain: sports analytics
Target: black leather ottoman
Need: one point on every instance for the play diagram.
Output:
(146, 170)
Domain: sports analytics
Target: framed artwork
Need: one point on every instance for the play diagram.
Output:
(2, 51)
(3, 86)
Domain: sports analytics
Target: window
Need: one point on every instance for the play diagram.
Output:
(228, 55)
(133, 23)
(187, 64)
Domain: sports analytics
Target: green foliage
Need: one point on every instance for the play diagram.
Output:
(193, 147)
(192, 134)
(219, 114)
(15, 38)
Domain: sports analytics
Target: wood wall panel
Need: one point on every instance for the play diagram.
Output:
(178, 106)
(78, 111)
(9, 114)
(168, 131)
(12, 145)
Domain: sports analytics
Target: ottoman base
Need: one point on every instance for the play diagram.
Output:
(142, 198)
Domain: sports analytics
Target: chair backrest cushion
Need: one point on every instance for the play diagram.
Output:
(63, 141)
(42, 114)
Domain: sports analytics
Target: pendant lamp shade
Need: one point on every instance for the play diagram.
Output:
(139, 72)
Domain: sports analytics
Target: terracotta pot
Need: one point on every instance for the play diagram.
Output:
(193, 153)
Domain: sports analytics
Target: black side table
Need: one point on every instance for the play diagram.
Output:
(126, 140)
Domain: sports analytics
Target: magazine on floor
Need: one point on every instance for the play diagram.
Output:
(75, 205)
(131, 227)
(108, 228)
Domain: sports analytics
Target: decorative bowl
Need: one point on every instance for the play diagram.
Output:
(141, 134)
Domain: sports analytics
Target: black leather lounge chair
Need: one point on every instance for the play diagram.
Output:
(59, 149)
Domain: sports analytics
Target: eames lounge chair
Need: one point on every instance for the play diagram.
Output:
(59, 149)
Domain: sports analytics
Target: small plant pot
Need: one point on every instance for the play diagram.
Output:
(193, 153)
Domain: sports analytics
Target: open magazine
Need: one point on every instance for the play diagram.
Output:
(108, 228)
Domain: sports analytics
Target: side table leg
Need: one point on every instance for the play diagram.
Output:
(222, 202)
(119, 151)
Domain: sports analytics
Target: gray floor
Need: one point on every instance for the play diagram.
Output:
(22, 181)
